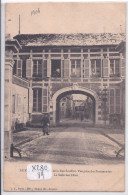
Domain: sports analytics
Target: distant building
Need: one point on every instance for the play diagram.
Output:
(66, 107)
(63, 106)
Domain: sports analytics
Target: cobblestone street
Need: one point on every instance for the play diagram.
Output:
(72, 145)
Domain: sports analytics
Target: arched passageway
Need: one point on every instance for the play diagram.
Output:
(69, 91)
(75, 109)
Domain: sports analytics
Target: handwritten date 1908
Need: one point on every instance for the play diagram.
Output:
(35, 12)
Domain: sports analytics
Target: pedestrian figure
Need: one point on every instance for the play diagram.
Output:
(46, 122)
(81, 116)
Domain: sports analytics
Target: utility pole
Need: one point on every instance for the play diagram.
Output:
(120, 28)
(19, 25)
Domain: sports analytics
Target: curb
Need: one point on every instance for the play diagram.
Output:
(25, 141)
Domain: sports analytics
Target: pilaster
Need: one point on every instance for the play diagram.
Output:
(8, 137)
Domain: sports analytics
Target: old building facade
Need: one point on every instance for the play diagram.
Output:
(51, 66)
(41, 69)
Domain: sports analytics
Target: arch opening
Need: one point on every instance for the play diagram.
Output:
(85, 109)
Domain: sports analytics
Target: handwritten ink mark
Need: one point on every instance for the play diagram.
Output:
(35, 12)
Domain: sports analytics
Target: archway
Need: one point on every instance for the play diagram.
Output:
(68, 94)
(75, 89)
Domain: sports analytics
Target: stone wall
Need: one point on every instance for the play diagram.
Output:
(19, 104)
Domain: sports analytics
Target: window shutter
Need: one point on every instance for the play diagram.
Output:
(45, 100)
(48, 67)
(13, 103)
(14, 67)
(62, 68)
(123, 70)
(117, 101)
(86, 68)
(66, 68)
(105, 67)
(112, 102)
(30, 100)
(29, 68)
(19, 68)
(117, 67)
(44, 69)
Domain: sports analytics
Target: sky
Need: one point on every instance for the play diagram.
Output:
(65, 18)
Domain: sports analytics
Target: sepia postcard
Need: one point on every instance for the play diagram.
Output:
(64, 97)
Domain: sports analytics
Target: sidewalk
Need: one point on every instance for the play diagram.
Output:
(28, 135)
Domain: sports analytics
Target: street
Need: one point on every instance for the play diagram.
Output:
(74, 145)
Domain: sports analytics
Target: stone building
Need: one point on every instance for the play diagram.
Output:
(16, 92)
(40, 69)
(60, 64)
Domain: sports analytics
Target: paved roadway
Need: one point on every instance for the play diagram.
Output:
(72, 145)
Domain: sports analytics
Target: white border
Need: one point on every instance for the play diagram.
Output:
(23, 1)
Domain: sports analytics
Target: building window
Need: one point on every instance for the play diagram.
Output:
(56, 68)
(114, 101)
(37, 68)
(114, 67)
(76, 68)
(96, 68)
(37, 100)
(19, 68)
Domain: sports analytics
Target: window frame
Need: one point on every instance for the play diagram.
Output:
(37, 100)
(75, 68)
(96, 73)
(114, 68)
(36, 65)
(53, 75)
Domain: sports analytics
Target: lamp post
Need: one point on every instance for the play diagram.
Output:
(103, 95)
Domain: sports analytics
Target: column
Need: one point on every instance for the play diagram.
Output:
(62, 61)
(8, 137)
(82, 65)
(69, 63)
(89, 63)
(42, 95)
(30, 100)
(49, 64)
(108, 61)
(102, 62)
